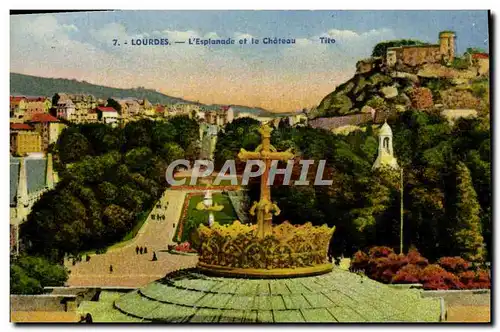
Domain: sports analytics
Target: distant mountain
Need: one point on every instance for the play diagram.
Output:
(28, 85)
(41, 86)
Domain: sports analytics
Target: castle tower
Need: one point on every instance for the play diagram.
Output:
(385, 153)
(447, 45)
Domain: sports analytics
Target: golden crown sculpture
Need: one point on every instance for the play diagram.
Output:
(289, 250)
(264, 249)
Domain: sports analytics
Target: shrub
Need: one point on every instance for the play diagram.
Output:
(385, 268)
(421, 98)
(414, 257)
(383, 265)
(434, 277)
(454, 264)
(408, 274)
(476, 280)
(376, 252)
(359, 262)
(184, 247)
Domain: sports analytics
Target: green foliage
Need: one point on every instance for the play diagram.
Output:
(196, 217)
(460, 63)
(381, 48)
(29, 274)
(113, 103)
(472, 50)
(110, 178)
(365, 205)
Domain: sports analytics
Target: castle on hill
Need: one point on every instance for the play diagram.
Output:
(415, 55)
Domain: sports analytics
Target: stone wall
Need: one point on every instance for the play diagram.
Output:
(459, 99)
(417, 55)
(461, 297)
(44, 302)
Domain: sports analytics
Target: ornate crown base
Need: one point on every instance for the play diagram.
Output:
(226, 271)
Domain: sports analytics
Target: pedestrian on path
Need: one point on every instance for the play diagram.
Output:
(111, 269)
(145, 250)
(137, 250)
(140, 250)
(154, 256)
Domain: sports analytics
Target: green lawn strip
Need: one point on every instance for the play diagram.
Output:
(224, 217)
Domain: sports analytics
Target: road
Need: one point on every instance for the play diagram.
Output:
(135, 270)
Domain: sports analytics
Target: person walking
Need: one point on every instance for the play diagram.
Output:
(145, 250)
(154, 256)
(140, 250)
(137, 250)
(111, 269)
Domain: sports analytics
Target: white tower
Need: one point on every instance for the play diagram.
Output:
(385, 153)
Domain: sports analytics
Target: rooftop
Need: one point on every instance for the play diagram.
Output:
(20, 126)
(106, 109)
(339, 296)
(43, 117)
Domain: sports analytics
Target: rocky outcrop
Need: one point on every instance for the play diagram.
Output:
(421, 98)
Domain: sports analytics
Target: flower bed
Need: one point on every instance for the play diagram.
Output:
(183, 217)
(382, 264)
(182, 249)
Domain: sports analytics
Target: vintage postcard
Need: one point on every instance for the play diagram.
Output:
(250, 167)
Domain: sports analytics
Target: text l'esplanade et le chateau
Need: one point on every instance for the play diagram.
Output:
(214, 41)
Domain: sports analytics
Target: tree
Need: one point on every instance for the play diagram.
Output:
(29, 274)
(472, 50)
(467, 234)
(72, 145)
(113, 103)
(55, 99)
(381, 48)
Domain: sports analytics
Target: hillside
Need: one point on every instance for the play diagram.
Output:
(41, 86)
(393, 91)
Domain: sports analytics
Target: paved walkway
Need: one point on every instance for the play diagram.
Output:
(135, 270)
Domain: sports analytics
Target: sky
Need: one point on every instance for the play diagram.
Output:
(276, 77)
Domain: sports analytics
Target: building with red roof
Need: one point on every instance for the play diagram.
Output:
(20, 126)
(48, 126)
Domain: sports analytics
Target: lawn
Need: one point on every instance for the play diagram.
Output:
(195, 217)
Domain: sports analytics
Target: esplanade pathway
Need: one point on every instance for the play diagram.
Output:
(131, 269)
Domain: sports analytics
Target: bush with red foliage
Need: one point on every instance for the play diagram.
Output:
(408, 274)
(384, 268)
(414, 257)
(359, 262)
(184, 247)
(435, 277)
(454, 264)
(383, 265)
(376, 252)
(480, 279)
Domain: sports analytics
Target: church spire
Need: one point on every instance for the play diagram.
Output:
(385, 155)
